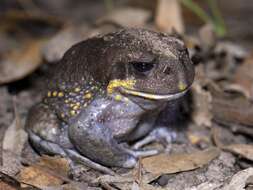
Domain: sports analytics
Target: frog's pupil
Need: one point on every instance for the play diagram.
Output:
(142, 66)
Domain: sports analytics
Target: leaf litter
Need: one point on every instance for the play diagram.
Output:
(221, 97)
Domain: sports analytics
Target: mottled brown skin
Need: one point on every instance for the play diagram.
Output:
(107, 91)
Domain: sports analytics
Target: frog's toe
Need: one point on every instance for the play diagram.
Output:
(162, 134)
(130, 162)
(143, 153)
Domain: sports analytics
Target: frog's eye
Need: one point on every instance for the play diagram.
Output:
(142, 66)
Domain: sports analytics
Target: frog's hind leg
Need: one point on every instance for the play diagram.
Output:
(47, 137)
(71, 155)
(43, 128)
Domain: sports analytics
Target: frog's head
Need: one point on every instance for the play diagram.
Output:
(148, 64)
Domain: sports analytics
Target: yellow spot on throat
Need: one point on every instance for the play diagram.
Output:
(72, 112)
(128, 83)
(77, 89)
(88, 95)
(76, 107)
(118, 97)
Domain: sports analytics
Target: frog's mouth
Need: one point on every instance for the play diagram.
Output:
(167, 97)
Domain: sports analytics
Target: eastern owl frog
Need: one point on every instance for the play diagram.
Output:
(108, 91)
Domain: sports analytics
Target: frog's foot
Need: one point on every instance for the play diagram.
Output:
(76, 157)
(161, 134)
(143, 153)
(47, 147)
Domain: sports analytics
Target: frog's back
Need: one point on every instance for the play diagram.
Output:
(73, 85)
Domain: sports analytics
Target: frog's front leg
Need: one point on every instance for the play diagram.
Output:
(91, 132)
(161, 134)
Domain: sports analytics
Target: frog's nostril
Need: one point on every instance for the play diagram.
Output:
(167, 70)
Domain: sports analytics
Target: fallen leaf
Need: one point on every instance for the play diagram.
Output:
(71, 186)
(244, 150)
(6, 186)
(168, 164)
(207, 36)
(244, 78)
(50, 171)
(202, 99)
(38, 177)
(228, 108)
(15, 137)
(238, 181)
(8, 183)
(207, 186)
(126, 17)
(55, 48)
(168, 16)
(13, 142)
(20, 62)
(249, 181)
(25, 33)
(151, 187)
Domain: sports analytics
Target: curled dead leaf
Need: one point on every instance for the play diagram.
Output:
(50, 171)
(20, 62)
(168, 16)
(238, 181)
(168, 164)
(244, 150)
(201, 101)
(244, 78)
(126, 17)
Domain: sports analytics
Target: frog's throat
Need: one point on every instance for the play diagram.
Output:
(167, 97)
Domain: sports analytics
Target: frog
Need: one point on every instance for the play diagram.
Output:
(101, 105)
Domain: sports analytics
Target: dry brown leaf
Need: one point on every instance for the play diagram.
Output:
(244, 150)
(56, 164)
(15, 137)
(72, 186)
(50, 171)
(6, 186)
(38, 177)
(55, 48)
(201, 101)
(151, 187)
(13, 142)
(8, 183)
(167, 164)
(20, 62)
(136, 186)
(126, 17)
(15, 16)
(244, 77)
(238, 181)
(168, 16)
(231, 109)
